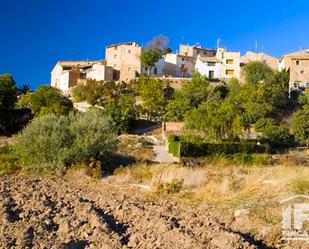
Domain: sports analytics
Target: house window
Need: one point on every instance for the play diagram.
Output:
(115, 56)
(183, 59)
(229, 61)
(155, 70)
(83, 76)
(211, 75)
(302, 71)
(129, 51)
(297, 63)
(296, 84)
(205, 53)
(211, 64)
(229, 72)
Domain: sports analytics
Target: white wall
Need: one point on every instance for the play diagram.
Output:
(64, 81)
(55, 75)
(203, 68)
(97, 72)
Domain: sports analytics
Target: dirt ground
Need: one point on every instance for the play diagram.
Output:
(48, 212)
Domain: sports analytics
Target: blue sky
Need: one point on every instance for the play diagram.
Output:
(35, 34)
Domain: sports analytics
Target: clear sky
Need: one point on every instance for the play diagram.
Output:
(35, 34)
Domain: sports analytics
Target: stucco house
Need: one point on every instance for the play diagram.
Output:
(297, 65)
(67, 74)
(230, 66)
(174, 65)
(209, 67)
(125, 59)
(271, 61)
(195, 51)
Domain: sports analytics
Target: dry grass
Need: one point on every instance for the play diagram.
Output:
(228, 188)
(136, 147)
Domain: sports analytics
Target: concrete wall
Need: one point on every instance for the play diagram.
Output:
(126, 59)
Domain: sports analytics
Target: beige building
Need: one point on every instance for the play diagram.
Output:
(195, 51)
(125, 59)
(230, 63)
(271, 61)
(67, 74)
(297, 65)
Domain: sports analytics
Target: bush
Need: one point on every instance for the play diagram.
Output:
(300, 186)
(175, 186)
(174, 148)
(8, 161)
(8, 92)
(53, 143)
(47, 100)
(225, 148)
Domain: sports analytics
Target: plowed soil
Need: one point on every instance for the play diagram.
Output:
(50, 212)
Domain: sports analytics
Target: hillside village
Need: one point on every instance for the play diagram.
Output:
(123, 63)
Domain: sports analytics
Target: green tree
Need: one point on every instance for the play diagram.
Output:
(122, 112)
(300, 125)
(8, 92)
(25, 88)
(154, 51)
(47, 100)
(256, 72)
(152, 92)
(277, 136)
(24, 101)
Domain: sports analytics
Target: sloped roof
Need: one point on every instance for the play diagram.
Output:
(123, 43)
(249, 56)
(77, 63)
(303, 54)
(208, 59)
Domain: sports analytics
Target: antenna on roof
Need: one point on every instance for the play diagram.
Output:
(256, 46)
(218, 42)
(262, 48)
(300, 48)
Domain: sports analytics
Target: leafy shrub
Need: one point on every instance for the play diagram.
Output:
(300, 125)
(8, 92)
(53, 143)
(139, 172)
(47, 99)
(277, 137)
(300, 186)
(94, 168)
(174, 148)
(198, 150)
(78, 93)
(122, 111)
(173, 187)
(8, 161)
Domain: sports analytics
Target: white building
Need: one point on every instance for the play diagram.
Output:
(174, 65)
(66, 74)
(209, 67)
(230, 63)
